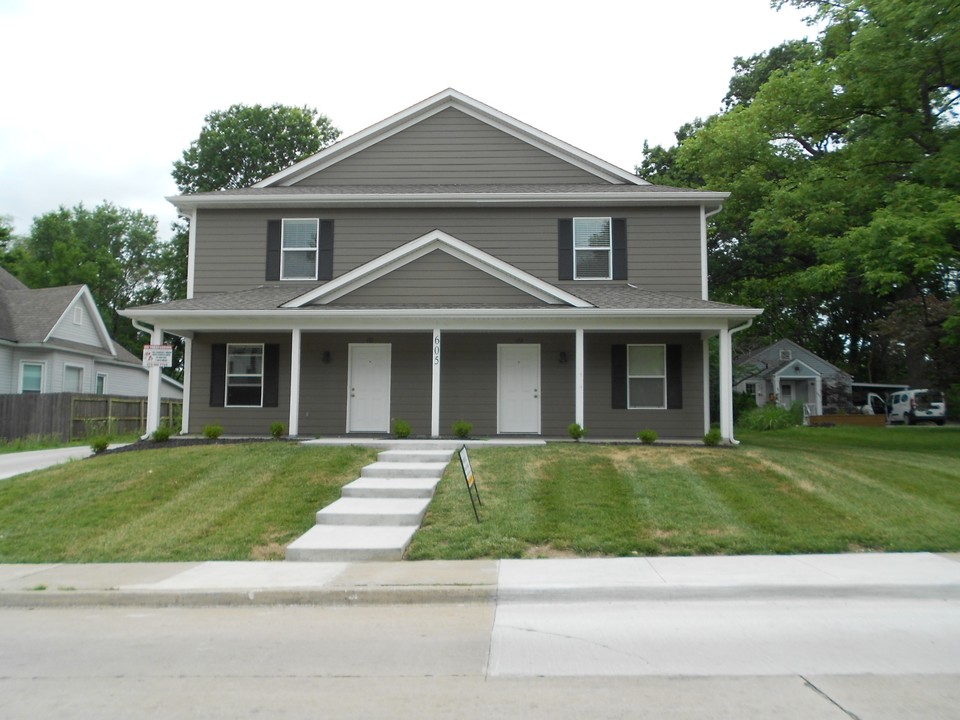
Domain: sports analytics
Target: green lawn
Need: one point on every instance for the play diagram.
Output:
(804, 490)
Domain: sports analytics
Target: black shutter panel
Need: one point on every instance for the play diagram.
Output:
(619, 248)
(273, 250)
(271, 375)
(218, 374)
(565, 249)
(674, 377)
(618, 377)
(325, 259)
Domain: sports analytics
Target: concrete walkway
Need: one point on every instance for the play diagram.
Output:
(17, 463)
(895, 575)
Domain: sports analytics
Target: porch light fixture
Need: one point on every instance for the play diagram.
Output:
(563, 357)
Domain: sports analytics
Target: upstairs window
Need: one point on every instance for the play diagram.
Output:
(299, 249)
(244, 377)
(592, 249)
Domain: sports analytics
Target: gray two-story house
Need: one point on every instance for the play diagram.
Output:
(450, 263)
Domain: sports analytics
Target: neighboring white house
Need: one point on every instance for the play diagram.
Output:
(785, 373)
(53, 340)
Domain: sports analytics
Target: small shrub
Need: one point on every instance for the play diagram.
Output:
(212, 432)
(277, 429)
(576, 431)
(99, 444)
(647, 437)
(712, 438)
(161, 434)
(401, 428)
(462, 428)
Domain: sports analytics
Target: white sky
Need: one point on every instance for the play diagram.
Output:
(100, 97)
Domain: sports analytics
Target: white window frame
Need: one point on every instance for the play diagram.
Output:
(101, 388)
(284, 250)
(227, 374)
(43, 374)
(72, 366)
(663, 348)
(78, 315)
(608, 249)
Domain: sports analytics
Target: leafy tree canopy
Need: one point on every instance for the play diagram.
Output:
(842, 157)
(244, 144)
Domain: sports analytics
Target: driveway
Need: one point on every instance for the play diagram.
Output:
(20, 462)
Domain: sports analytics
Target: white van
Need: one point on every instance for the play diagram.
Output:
(913, 406)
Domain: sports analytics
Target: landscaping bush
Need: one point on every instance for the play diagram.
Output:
(461, 428)
(161, 434)
(99, 444)
(212, 432)
(401, 428)
(712, 438)
(576, 431)
(772, 417)
(647, 437)
(277, 429)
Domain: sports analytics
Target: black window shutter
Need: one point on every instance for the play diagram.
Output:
(618, 377)
(271, 375)
(674, 377)
(325, 257)
(565, 249)
(218, 373)
(619, 248)
(273, 250)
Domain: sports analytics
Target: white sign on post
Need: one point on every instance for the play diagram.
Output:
(157, 356)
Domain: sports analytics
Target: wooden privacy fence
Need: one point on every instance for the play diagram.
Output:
(71, 416)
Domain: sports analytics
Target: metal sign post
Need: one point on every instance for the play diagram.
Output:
(472, 488)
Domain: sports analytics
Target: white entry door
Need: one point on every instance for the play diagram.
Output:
(368, 388)
(518, 389)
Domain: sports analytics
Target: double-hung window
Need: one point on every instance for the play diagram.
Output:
(646, 376)
(31, 377)
(299, 249)
(592, 249)
(244, 377)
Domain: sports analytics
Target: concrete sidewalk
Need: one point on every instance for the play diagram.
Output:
(913, 575)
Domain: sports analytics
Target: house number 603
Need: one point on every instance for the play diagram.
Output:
(436, 349)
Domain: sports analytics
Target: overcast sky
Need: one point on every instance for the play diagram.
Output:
(100, 97)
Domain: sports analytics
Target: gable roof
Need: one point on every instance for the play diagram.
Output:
(445, 100)
(423, 245)
(777, 365)
(9, 282)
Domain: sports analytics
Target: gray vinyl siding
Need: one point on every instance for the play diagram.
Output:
(450, 147)
(441, 279)
(85, 332)
(603, 421)
(236, 420)
(663, 243)
(8, 371)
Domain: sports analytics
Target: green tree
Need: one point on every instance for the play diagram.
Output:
(244, 144)
(843, 159)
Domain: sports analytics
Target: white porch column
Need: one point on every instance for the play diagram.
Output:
(187, 370)
(726, 386)
(819, 390)
(435, 386)
(705, 342)
(153, 387)
(293, 425)
(578, 390)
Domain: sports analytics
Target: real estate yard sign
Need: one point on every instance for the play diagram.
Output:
(157, 356)
(472, 488)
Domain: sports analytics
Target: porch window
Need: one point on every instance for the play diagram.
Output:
(299, 249)
(646, 376)
(72, 379)
(31, 377)
(244, 377)
(592, 248)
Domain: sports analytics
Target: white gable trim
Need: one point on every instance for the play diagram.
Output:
(86, 297)
(783, 372)
(415, 249)
(449, 98)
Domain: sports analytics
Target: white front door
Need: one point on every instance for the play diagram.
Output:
(518, 389)
(368, 388)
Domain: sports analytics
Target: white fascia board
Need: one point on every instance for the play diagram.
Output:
(449, 98)
(437, 240)
(86, 297)
(791, 364)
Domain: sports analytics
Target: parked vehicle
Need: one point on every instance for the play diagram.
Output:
(913, 406)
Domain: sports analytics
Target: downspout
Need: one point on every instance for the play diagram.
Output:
(731, 333)
(704, 216)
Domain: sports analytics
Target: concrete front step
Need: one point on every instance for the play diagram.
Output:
(403, 469)
(374, 511)
(351, 543)
(374, 487)
(415, 456)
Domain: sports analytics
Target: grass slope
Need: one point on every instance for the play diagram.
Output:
(806, 490)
